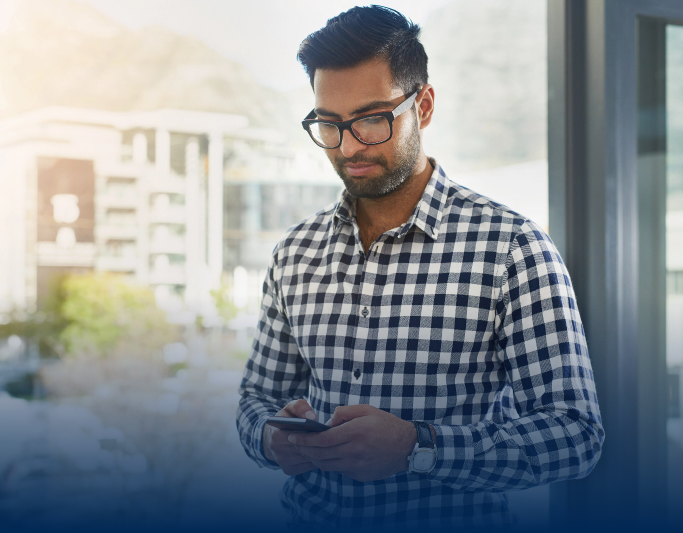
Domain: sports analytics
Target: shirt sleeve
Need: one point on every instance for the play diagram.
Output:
(275, 372)
(542, 347)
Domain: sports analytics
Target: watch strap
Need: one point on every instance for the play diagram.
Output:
(424, 434)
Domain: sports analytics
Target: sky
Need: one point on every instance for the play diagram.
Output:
(268, 31)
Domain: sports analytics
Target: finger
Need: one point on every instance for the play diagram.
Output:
(300, 409)
(324, 439)
(345, 413)
(336, 465)
(281, 441)
(292, 458)
(318, 453)
(294, 470)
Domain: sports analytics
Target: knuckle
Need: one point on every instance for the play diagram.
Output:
(357, 450)
(305, 451)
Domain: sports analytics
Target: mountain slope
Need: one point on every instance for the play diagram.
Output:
(487, 62)
(59, 52)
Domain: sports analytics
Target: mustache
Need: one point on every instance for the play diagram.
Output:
(360, 158)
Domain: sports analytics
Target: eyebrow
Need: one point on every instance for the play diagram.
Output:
(364, 109)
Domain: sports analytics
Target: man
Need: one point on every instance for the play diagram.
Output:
(433, 329)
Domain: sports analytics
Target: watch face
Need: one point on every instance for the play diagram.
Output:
(424, 460)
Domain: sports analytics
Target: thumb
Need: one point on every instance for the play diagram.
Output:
(345, 413)
(300, 409)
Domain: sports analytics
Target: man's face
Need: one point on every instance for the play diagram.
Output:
(368, 171)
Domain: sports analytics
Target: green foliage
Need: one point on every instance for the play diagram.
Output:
(39, 329)
(93, 315)
(221, 297)
(104, 311)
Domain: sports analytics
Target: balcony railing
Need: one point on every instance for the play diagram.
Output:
(171, 275)
(172, 214)
(168, 245)
(114, 263)
(109, 231)
(119, 199)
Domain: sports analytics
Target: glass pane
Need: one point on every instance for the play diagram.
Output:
(674, 261)
(119, 199)
(488, 64)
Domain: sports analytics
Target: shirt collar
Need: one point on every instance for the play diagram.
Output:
(426, 215)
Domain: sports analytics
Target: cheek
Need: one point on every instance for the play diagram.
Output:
(404, 125)
(333, 155)
(402, 132)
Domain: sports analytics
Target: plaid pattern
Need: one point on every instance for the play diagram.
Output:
(464, 317)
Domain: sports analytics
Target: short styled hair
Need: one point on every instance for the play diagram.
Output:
(363, 34)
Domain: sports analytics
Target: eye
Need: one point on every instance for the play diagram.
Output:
(373, 121)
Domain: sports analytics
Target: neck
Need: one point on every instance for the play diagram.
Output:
(388, 212)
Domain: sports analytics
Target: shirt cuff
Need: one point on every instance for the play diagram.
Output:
(455, 447)
(257, 440)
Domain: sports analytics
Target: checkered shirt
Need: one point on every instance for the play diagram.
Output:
(464, 317)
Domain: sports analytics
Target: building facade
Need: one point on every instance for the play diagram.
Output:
(169, 198)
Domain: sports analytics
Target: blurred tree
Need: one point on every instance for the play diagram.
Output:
(222, 297)
(41, 328)
(105, 312)
(93, 315)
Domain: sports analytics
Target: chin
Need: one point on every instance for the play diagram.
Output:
(369, 188)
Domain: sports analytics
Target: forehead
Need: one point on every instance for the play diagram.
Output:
(342, 91)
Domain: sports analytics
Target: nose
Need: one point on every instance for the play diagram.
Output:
(350, 145)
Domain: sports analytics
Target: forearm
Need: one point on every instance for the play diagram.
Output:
(262, 398)
(251, 416)
(274, 374)
(518, 454)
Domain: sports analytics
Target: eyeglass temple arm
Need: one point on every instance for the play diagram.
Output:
(396, 112)
(406, 104)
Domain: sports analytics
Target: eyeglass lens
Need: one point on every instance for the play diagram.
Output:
(371, 130)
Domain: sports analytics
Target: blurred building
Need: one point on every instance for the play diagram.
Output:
(167, 197)
(268, 189)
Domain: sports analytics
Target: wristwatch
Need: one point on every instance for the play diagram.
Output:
(423, 458)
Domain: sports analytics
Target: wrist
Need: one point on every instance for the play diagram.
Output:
(265, 443)
(423, 457)
(409, 442)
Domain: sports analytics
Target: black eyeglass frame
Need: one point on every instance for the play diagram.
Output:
(346, 124)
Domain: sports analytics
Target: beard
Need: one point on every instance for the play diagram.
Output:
(391, 179)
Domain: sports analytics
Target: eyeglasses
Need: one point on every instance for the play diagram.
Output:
(369, 129)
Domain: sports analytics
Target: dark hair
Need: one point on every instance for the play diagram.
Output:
(362, 34)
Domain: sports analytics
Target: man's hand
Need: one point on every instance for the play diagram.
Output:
(277, 448)
(365, 443)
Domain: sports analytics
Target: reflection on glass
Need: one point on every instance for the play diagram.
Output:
(674, 255)
(157, 171)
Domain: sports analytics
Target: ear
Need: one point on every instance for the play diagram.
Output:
(425, 105)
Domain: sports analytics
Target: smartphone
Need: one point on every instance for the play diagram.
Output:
(295, 424)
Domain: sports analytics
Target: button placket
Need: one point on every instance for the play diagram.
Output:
(363, 333)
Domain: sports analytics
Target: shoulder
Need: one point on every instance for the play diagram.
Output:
(464, 203)
(481, 218)
(489, 220)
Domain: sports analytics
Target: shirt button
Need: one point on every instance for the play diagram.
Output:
(356, 373)
(365, 312)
